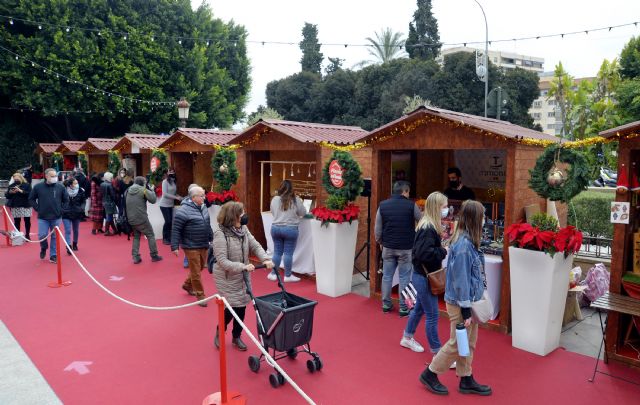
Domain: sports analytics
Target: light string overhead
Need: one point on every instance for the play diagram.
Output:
(125, 34)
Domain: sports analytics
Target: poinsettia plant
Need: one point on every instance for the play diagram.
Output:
(567, 240)
(327, 215)
(222, 197)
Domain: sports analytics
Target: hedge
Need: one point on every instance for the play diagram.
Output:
(592, 210)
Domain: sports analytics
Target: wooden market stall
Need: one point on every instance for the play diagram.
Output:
(623, 330)
(44, 152)
(69, 151)
(135, 150)
(273, 150)
(97, 150)
(494, 160)
(190, 153)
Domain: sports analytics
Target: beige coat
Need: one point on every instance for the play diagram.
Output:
(232, 254)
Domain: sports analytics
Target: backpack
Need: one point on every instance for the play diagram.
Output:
(123, 221)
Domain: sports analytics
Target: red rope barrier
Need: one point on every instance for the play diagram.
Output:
(6, 225)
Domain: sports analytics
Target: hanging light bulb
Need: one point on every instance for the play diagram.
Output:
(39, 27)
(309, 175)
(68, 29)
(11, 21)
(314, 169)
(291, 169)
(180, 41)
(152, 38)
(207, 43)
(270, 167)
(298, 169)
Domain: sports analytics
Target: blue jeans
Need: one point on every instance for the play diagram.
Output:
(44, 227)
(68, 225)
(285, 239)
(426, 303)
(392, 259)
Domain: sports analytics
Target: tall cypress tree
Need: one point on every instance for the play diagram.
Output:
(423, 41)
(311, 55)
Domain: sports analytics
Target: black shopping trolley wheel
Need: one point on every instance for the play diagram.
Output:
(318, 363)
(280, 379)
(274, 380)
(292, 353)
(311, 365)
(254, 363)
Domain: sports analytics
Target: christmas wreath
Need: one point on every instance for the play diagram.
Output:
(57, 160)
(114, 162)
(82, 159)
(155, 176)
(550, 182)
(342, 178)
(224, 168)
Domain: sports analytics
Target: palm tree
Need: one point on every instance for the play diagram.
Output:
(387, 45)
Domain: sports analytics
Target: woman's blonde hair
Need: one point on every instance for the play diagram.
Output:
(229, 214)
(470, 221)
(19, 176)
(431, 216)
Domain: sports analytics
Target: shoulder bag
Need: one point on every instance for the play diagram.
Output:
(437, 280)
(482, 310)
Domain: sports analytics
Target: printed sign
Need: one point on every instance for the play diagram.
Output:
(620, 212)
(335, 174)
(155, 163)
(482, 168)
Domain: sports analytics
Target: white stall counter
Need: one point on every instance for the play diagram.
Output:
(303, 262)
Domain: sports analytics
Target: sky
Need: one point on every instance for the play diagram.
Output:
(352, 21)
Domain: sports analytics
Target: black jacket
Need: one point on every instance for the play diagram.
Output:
(398, 221)
(19, 199)
(108, 193)
(191, 227)
(48, 200)
(427, 251)
(75, 209)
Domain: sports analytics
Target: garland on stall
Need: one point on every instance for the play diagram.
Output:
(82, 160)
(57, 161)
(339, 203)
(225, 173)
(550, 182)
(114, 162)
(155, 177)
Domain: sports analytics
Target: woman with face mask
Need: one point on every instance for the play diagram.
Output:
(427, 256)
(232, 246)
(168, 200)
(72, 213)
(18, 201)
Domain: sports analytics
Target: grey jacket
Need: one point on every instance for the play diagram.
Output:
(232, 254)
(137, 197)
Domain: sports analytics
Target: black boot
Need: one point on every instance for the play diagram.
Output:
(469, 386)
(237, 342)
(216, 340)
(75, 246)
(431, 382)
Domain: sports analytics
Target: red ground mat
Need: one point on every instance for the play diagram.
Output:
(167, 357)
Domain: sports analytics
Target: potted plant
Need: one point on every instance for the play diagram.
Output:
(336, 230)
(225, 173)
(540, 259)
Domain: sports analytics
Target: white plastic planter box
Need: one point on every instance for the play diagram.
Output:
(214, 210)
(156, 219)
(539, 286)
(334, 248)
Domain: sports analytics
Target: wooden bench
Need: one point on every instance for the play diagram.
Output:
(612, 302)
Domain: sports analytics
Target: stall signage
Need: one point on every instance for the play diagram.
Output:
(620, 212)
(155, 163)
(335, 174)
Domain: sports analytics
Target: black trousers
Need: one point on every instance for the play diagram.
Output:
(167, 214)
(27, 225)
(237, 329)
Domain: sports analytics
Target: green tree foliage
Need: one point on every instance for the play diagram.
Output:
(311, 56)
(628, 93)
(291, 95)
(630, 59)
(561, 90)
(423, 41)
(522, 87)
(386, 46)
(590, 212)
(263, 113)
(335, 64)
(128, 48)
(16, 148)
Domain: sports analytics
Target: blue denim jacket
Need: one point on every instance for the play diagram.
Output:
(465, 273)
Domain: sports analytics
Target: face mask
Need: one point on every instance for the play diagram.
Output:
(244, 219)
(18, 182)
(52, 180)
(453, 183)
(76, 187)
(444, 212)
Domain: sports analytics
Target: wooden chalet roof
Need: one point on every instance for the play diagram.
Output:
(498, 127)
(141, 141)
(205, 137)
(47, 147)
(101, 144)
(70, 146)
(309, 132)
(622, 130)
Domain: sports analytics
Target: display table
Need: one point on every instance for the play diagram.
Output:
(303, 255)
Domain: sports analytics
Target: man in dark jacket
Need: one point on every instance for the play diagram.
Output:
(192, 230)
(394, 231)
(136, 202)
(48, 199)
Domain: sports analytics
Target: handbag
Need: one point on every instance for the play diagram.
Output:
(437, 280)
(482, 310)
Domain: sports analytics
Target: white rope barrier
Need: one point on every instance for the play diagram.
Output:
(268, 357)
(20, 234)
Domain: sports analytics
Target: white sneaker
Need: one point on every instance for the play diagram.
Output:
(272, 276)
(291, 279)
(411, 343)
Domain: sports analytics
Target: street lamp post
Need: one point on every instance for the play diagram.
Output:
(183, 111)
(486, 58)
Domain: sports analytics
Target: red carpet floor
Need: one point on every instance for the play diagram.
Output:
(167, 357)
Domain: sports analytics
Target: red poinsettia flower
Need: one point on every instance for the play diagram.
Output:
(326, 215)
(567, 240)
(221, 198)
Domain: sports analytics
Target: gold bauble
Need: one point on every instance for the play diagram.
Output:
(224, 168)
(556, 177)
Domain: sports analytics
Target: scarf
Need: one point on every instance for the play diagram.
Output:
(239, 232)
(72, 193)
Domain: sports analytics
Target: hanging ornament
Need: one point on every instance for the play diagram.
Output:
(291, 169)
(270, 167)
(309, 175)
(314, 169)
(298, 167)
(556, 177)
(623, 182)
(224, 168)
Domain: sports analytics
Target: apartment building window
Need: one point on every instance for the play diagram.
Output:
(509, 61)
(536, 116)
(551, 114)
(537, 104)
(543, 93)
(551, 102)
(551, 126)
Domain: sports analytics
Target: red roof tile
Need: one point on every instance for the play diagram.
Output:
(103, 144)
(48, 147)
(312, 132)
(498, 127)
(71, 146)
(146, 141)
(622, 130)
(208, 137)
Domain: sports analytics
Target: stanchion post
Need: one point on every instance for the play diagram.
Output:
(59, 283)
(6, 224)
(222, 397)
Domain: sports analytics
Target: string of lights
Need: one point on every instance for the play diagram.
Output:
(152, 36)
(28, 62)
(26, 109)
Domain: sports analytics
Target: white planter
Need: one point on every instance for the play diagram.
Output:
(156, 219)
(214, 210)
(334, 248)
(539, 286)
